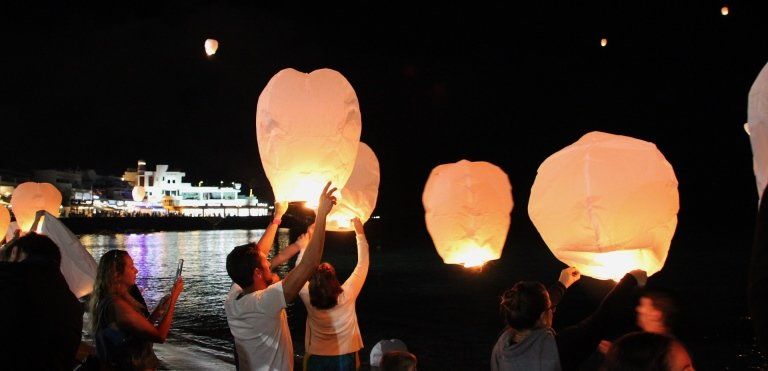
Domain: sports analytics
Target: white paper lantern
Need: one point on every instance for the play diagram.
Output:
(757, 122)
(30, 197)
(211, 45)
(308, 129)
(138, 193)
(5, 221)
(358, 197)
(77, 265)
(467, 206)
(607, 205)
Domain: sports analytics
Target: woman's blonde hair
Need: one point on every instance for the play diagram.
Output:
(108, 284)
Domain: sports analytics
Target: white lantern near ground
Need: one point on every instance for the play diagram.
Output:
(138, 193)
(757, 128)
(607, 205)
(358, 197)
(308, 129)
(30, 197)
(467, 211)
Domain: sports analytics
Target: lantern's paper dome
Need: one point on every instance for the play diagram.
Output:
(30, 197)
(467, 206)
(607, 205)
(358, 197)
(138, 193)
(757, 122)
(5, 221)
(308, 129)
(211, 45)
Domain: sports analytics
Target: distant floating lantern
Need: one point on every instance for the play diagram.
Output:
(467, 206)
(603, 42)
(138, 193)
(211, 45)
(724, 10)
(5, 221)
(607, 205)
(746, 128)
(308, 129)
(358, 197)
(28, 198)
(757, 127)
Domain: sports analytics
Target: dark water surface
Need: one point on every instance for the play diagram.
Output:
(448, 316)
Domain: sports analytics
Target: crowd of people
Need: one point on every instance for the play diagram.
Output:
(631, 329)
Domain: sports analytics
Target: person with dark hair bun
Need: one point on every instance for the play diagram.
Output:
(332, 339)
(41, 320)
(647, 351)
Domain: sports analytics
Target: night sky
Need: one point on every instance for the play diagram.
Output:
(100, 87)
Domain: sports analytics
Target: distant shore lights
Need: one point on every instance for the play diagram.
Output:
(211, 45)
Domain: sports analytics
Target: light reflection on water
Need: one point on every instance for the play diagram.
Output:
(199, 316)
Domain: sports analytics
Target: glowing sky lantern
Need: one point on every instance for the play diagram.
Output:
(138, 193)
(211, 45)
(757, 127)
(724, 10)
(607, 205)
(308, 129)
(358, 197)
(467, 206)
(30, 197)
(603, 42)
(5, 220)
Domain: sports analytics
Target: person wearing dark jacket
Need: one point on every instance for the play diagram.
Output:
(41, 320)
(530, 343)
(757, 290)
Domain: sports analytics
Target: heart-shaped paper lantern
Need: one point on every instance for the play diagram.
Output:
(757, 123)
(308, 129)
(30, 197)
(358, 197)
(606, 204)
(467, 206)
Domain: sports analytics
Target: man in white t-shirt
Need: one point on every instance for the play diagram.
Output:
(255, 305)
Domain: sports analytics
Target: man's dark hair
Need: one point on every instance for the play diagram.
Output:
(36, 247)
(398, 361)
(639, 351)
(522, 305)
(241, 262)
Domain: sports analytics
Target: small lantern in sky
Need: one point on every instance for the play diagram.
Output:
(30, 197)
(603, 42)
(211, 45)
(467, 206)
(5, 221)
(358, 197)
(138, 193)
(724, 10)
(308, 129)
(757, 127)
(607, 205)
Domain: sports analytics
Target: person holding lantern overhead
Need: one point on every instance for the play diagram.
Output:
(255, 305)
(530, 343)
(332, 337)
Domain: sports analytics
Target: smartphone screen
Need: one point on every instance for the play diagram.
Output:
(179, 268)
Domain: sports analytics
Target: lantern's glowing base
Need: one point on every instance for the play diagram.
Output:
(339, 223)
(307, 190)
(470, 256)
(614, 265)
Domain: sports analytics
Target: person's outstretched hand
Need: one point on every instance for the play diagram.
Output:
(641, 276)
(327, 200)
(568, 276)
(280, 208)
(358, 226)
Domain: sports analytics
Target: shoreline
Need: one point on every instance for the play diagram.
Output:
(148, 224)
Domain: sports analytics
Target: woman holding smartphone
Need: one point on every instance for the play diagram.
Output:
(123, 333)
